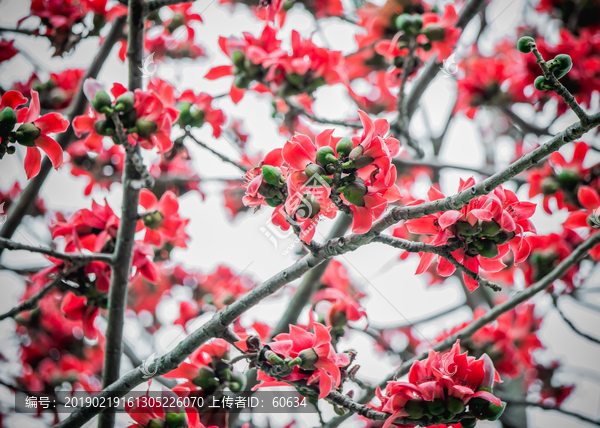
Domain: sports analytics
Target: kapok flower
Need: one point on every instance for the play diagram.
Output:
(75, 308)
(161, 219)
(589, 219)
(33, 134)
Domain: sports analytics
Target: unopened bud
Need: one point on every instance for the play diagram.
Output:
(489, 228)
(312, 169)
(103, 127)
(356, 152)
(434, 33)
(101, 101)
(206, 378)
(8, 119)
(145, 128)
(156, 423)
(237, 382)
(309, 207)
(355, 192)
(344, 147)
(325, 155)
(464, 228)
(176, 420)
(152, 220)
(27, 134)
(524, 44)
(272, 175)
(125, 102)
(489, 249)
(568, 179)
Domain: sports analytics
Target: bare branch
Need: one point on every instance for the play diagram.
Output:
(299, 110)
(217, 154)
(571, 324)
(69, 257)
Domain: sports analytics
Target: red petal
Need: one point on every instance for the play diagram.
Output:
(34, 108)
(13, 99)
(148, 199)
(236, 94)
(168, 204)
(52, 149)
(219, 71)
(588, 197)
(361, 219)
(426, 260)
(449, 218)
(51, 123)
(32, 162)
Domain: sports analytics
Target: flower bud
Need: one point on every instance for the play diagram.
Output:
(436, 407)
(101, 101)
(524, 44)
(308, 207)
(273, 202)
(325, 155)
(206, 378)
(362, 161)
(8, 119)
(468, 423)
(355, 192)
(273, 357)
(271, 175)
(344, 147)
(403, 22)
(455, 405)
(128, 119)
(152, 220)
(415, 408)
(103, 127)
(560, 65)
(464, 228)
(434, 33)
(338, 319)
(176, 420)
(503, 237)
(541, 84)
(489, 228)
(493, 412)
(237, 382)
(125, 102)
(416, 21)
(11, 150)
(27, 134)
(568, 179)
(549, 186)
(308, 357)
(312, 169)
(356, 152)
(489, 249)
(238, 59)
(145, 128)
(156, 423)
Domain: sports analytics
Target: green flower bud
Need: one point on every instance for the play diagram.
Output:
(416, 21)
(242, 81)
(568, 180)
(403, 22)
(468, 422)
(426, 47)
(325, 155)
(124, 103)
(152, 220)
(27, 134)
(100, 101)
(102, 127)
(295, 79)
(503, 237)
(271, 175)
(273, 202)
(541, 84)
(464, 228)
(564, 63)
(206, 378)
(489, 249)
(273, 357)
(434, 33)
(176, 420)
(11, 150)
(493, 412)
(238, 59)
(237, 382)
(156, 423)
(344, 147)
(455, 405)
(309, 357)
(8, 119)
(145, 128)
(415, 408)
(128, 119)
(524, 44)
(436, 407)
(309, 207)
(355, 192)
(490, 228)
(312, 169)
(550, 186)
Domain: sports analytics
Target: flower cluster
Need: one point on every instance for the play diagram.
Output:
(57, 92)
(487, 228)
(444, 387)
(305, 180)
(143, 115)
(33, 131)
(264, 65)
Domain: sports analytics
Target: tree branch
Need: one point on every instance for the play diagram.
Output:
(571, 324)
(302, 111)
(32, 302)
(70, 257)
(28, 197)
(217, 154)
(120, 275)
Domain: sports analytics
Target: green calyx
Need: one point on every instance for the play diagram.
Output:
(541, 84)
(568, 180)
(271, 175)
(309, 207)
(524, 44)
(156, 423)
(436, 407)
(176, 420)
(8, 119)
(27, 134)
(415, 408)
(355, 192)
(206, 378)
(145, 128)
(488, 249)
(465, 229)
(326, 155)
(308, 358)
(455, 405)
(489, 228)
(152, 220)
(434, 33)
(344, 147)
(550, 186)
(101, 101)
(124, 103)
(312, 168)
(104, 127)
(237, 383)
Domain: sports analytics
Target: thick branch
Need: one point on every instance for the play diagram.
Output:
(120, 275)
(308, 285)
(28, 197)
(70, 257)
(217, 154)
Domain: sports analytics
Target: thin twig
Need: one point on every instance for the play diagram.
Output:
(217, 154)
(571, 324)
(70, 257)
(299, 110)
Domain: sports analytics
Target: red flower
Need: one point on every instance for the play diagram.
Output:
(34, 134)
(7, 50)
(161, 219)
(441, 44)
(203, 111)
(589, 219)
(75, 308)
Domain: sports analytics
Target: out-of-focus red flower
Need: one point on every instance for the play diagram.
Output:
(7, 50)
